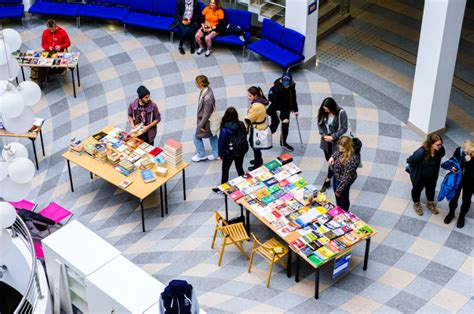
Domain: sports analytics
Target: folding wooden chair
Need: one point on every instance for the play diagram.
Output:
(232, 233)
(272, 250)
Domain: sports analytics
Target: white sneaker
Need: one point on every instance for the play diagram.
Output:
(196, 158)
(242, 38)
(212, 157)
(208, 52)
(200, 50)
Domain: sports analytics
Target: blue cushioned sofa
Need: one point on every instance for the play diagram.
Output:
(11, 9)
(239, 18)
(115, 10)
(279, 44)
(152, 14)
(69, 8)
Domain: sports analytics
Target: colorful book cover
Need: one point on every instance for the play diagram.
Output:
(282, 175)
(301, 183)
(271, 181)
(155, 151)
(272, 164)
(268, 199)
(307, 251)
(236, 195)
(262, 193)
(274, 188)
(283, 183)
(336, 211)
(316, 261)
(265, 176)
(297, 244)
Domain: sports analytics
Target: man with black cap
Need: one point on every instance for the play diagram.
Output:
(144, 110)
(283, 98)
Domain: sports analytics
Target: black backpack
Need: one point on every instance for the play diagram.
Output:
(238, 143)
(231, 29)
(177, 297)
(357, 144)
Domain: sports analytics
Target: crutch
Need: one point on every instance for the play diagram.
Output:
(299, 131)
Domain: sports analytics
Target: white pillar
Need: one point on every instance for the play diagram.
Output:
(302, 16)
(28, 3)
(436, 59)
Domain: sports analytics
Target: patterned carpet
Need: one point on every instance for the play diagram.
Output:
(416, 264)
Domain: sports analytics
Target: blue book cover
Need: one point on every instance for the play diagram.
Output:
(148, 175)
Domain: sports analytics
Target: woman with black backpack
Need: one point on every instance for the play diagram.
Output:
(233, 144)
(332, 124)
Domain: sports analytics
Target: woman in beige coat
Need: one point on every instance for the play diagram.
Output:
(206, 105)
(256, 119)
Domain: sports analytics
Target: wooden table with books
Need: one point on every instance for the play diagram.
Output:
(316, 230)
(115, 156)
(32, 134)
(47, 59)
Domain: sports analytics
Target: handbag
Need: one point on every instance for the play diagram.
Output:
(262, 139)
(215, 121)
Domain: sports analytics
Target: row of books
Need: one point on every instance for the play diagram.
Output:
(277, 193)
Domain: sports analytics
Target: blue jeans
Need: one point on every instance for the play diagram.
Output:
(201, 151)
(343, 199)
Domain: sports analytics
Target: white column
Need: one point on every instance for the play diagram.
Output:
(437, 51)
(300, 18)
(28, 3)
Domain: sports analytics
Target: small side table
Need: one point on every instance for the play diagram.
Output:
(32, 135)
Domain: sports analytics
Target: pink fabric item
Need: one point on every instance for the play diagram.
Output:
(38, 249)
(24, 204)
(55, 212)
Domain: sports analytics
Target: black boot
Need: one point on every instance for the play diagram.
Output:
(326, 185)
(448, 218)
(460, 223)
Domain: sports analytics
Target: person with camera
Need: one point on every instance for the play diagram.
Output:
(188, 15)
(213, 17)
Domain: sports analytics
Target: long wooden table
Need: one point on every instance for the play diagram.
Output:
(138, 188)
(294, 235)
(31, 135)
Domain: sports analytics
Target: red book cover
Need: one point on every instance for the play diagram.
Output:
(285, 158)
(283, 183)
(276, 214)
(155, 151)
(173, 143)
(236, 195)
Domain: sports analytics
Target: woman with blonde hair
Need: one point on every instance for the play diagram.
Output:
(423, 166)
(344, 164)
(463, 155)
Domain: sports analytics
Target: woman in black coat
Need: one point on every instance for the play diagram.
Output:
(423, 166)
(189, 17)
(464, 155)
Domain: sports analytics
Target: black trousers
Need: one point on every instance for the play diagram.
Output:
(275, 121)
(342, 200)
(429, 184)
(327, 154)
(227, 162)
(187, 32)
(467, 188)
(257, 152)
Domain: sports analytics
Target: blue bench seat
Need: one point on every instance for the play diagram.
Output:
(103, 12)
(275, 53)
(55, 8)
(11, 11)
(150, 21)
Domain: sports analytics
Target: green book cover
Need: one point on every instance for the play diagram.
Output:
(272, 164)
(313, 259)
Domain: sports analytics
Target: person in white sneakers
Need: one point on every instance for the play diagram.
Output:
(213, 18)
(206, 105)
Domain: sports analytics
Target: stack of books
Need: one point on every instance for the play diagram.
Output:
(76, 146)
(173, 153)
(101, 152)
(113, 159)
(90, 149)
(125, 167)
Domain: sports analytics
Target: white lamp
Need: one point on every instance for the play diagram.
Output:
(14, 149)
(7, 215)
(14, 192)
(21, 170)
(3, 170)
(12, 104)
(30, 91)
(12, 39)
(20, 124)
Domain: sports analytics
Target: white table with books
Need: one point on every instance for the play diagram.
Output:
(47, 59)
(127, 162)
(316, 230)
(32, 134)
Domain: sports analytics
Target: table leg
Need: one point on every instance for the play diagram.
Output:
(226, 207)
(297, 274)
(17, 82)
(42, 143)
(78, 77)
(23, 73)
(73, 82)
(161, 202)
(184, 184)
(34, 152)
(288, 264)
(166, 199)
(247, 221)
(70, 176)
(143, 215)
(366, 255)
(316, 284)
(92, 175)
(241, 210)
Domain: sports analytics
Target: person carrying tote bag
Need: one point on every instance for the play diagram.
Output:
(256, 121)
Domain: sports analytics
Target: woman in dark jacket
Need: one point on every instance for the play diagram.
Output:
(464, 155)
(282, 97)
(344, 164)
(233, 144)
(189, 17)
(332, 124)
(423, 166)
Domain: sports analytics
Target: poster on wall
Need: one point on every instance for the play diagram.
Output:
(341, 264)
(312, 7)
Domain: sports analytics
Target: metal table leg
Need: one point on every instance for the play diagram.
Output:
(73, 82)
(70, 176)
(34, 152)
(297, 274)
(143, 215)
(184, 184)
(288, 265)
(23, 73)
(166, 199)
(226, 207)
(316, 285)
(78, 77)
(366, 255)
(161, 202)
(92, 175)
(241, 210)
(42, 143)
(247, 221)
